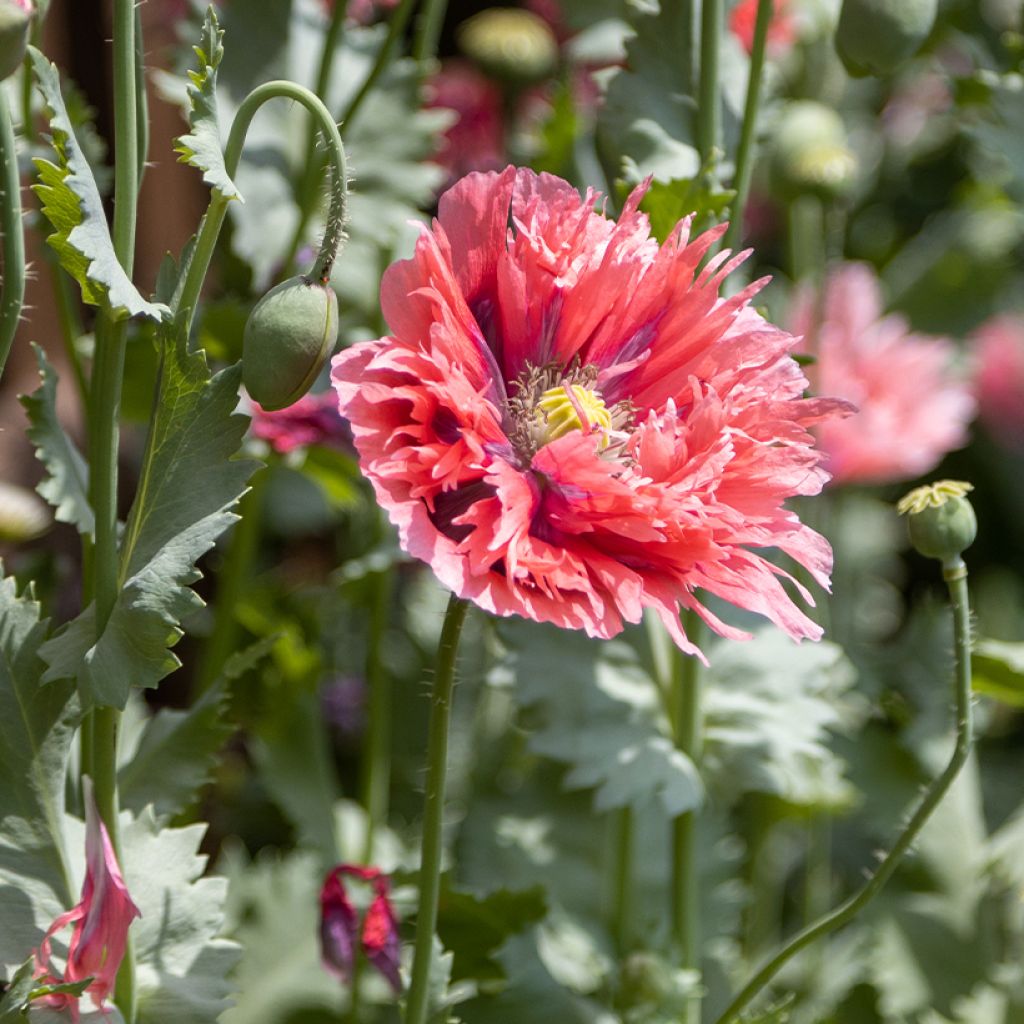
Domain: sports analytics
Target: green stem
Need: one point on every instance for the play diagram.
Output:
(12, 288)
(433, 810)
(806, 239)
(956, 579)
(748, 132)
(687, 724)
(187, 294)
(622, 880)
(428, 32)
(709, 113)
(141, 100)
(70, 323)
(376, 766)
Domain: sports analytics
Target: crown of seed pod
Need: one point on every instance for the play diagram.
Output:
(512, 45)
(874, 37)
(940, 519)
(288, 337)
(15, 19)
(810, 154)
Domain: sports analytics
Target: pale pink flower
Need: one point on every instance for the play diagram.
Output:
(313, 419)
(782, 31)
(101, 918)
(912, 405)
(999, 378)
(568, 423)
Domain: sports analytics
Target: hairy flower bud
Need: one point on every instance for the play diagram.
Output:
(511, 45)
(288, 337)
(941, 520)
(15, 19)
(810, 153)
(874, 37)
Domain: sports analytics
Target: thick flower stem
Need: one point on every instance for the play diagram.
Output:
(687, 724)
(622, 880)
(12, 288)
(428, 32)
(709, 114)
(748, 132)
(956, 579)
(187, 293)
(433, 809)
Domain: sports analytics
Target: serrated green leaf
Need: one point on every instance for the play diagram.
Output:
(668, 202)
(998, 671)
(602, 718)
(66, 487)
(71, 202)
(36, 728)
(201, 147)
(15, 1000)
(189, 483)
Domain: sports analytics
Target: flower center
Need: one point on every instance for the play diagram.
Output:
(567, 407)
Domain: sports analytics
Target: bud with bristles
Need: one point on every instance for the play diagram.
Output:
(940, 519)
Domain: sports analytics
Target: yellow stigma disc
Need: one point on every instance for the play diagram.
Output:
(569, 407)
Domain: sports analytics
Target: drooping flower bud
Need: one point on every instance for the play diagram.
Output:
(15, 19)
(23, 516)
(874, 37)
(339, 928)
(940, 519)
(512, 45)
(288, 337)
(810, 153)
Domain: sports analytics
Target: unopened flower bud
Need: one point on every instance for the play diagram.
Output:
(15, 19)
(940, 519)
(23, 516)
(874, 37)
(509, 44)
(810, 153)
(288, 337)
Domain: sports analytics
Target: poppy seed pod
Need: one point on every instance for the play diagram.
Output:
(288, 337)
(15, 19)
(874, 37)
(510, 45)
(940, 519)
(810, 154)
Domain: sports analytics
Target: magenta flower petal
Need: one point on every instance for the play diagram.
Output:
(380, 937)
(676, 478)
(339, 927)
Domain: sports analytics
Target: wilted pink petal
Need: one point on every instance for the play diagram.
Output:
(696, 435)
(999, 378)
(781, 29)
(339, 927)
(313, 419)
(912, 405)
(101, 919)
(380, 936)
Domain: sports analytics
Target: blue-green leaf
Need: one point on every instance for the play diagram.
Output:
(999, 671)
(66, 486)
(71, 202)
(201, 147)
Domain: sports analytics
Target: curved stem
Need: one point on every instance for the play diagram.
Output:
(709, 114)
(687, 725)
(956, 580)
(433, 809)
(428, 32)
(12, 297)
(748, 132)
(187, 293)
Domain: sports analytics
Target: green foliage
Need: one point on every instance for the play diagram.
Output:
(66, 486)
(189, 484)
(998, 671)
(71, 202)
(667, 202)
(23, 990)
(601, 717)
(201, 147)
(36, 729)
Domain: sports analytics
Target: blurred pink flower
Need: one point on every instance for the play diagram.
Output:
(364, 12)
(101, 918)
(912, 406)
(781, 29)
(340, 932)
(313, 419)
(569, 424)
(999, 378)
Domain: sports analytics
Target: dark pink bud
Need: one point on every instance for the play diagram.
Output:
(339, 927)
(380, 936)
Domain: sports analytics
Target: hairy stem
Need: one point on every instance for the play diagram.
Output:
(956, 579)
(12, 288)
(433, 809)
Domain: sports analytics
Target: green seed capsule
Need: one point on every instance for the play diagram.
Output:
(509, 44)
(940, 519)
(288, 337)
(875, 37)
(15, 19)
(810, 154)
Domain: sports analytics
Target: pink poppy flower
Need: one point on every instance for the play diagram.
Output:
(999, 378)
(101, 918)
(313, 419)
(340, 931)
(568, 423)
(912, 406)
(781, 29)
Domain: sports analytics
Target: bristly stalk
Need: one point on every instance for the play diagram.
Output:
(433, 810)
(748, 132)
(955, 575)
(12, 288)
